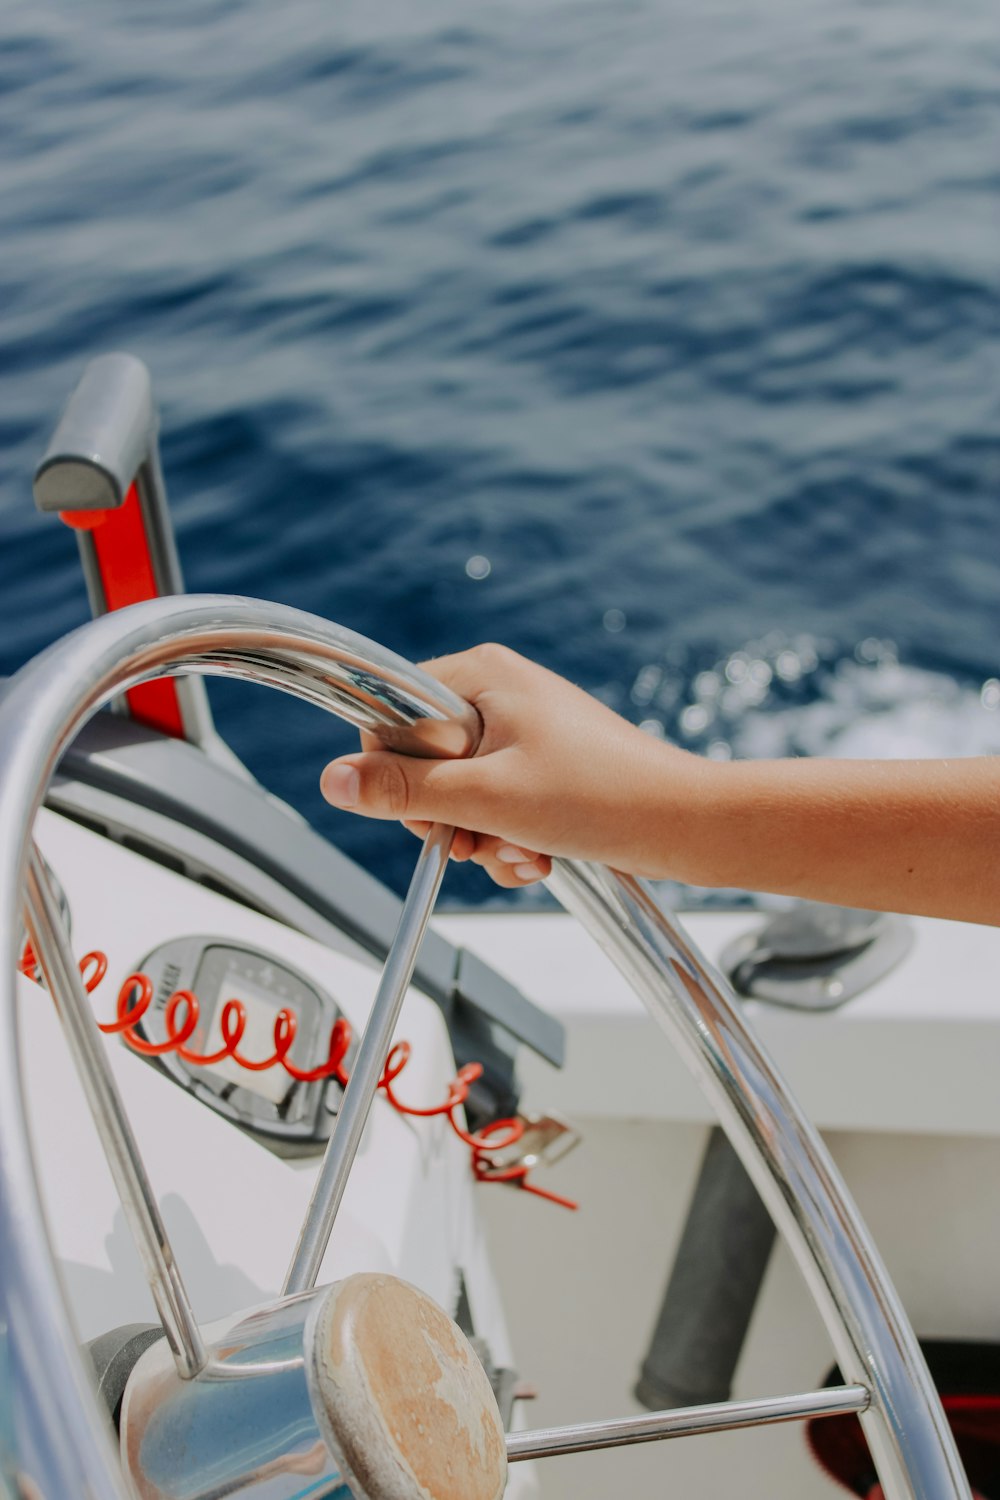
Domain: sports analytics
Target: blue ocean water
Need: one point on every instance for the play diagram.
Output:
(657, 338)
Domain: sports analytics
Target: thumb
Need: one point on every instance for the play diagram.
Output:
(381, 784)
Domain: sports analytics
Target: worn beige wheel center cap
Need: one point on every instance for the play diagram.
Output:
(410, 1413)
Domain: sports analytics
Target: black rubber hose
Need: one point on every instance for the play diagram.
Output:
(713, 1287)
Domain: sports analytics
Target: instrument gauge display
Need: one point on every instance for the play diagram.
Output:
(291, 1116)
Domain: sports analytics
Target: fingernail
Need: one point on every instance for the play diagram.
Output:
(341, 785)
(526, 872)
(508, 855)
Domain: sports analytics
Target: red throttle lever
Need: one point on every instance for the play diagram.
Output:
(101, 474)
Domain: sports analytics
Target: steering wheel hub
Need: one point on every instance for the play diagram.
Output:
(411, 1412)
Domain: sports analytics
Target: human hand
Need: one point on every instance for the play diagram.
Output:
(556, 773)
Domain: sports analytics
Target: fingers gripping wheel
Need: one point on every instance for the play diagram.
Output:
(366, 1361)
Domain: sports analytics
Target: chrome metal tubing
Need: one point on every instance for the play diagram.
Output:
(55, 1431)
(178, 1436)
(142, 1212)
(904, 1424)
(685, 1421)
(343, 1144)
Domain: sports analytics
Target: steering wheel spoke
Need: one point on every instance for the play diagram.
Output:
(685, 1421)
(51, 947)
(373, 1050)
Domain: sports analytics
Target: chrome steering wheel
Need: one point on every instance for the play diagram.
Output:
(54, 1439)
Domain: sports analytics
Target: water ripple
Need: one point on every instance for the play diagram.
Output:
(681, 322)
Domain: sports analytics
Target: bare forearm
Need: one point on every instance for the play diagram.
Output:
(557, 773)
(915, 836)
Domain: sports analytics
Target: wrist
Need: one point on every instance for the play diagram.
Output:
(676, 816)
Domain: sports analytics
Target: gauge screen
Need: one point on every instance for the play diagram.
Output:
(258, 1039)
(289, 1115)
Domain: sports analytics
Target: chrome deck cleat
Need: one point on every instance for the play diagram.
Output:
(815, 956)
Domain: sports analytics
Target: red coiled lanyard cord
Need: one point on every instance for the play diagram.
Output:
(180, 1019)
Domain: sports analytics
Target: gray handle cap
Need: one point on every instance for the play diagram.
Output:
(104, 435)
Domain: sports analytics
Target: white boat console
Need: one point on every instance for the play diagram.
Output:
(919, 1052)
